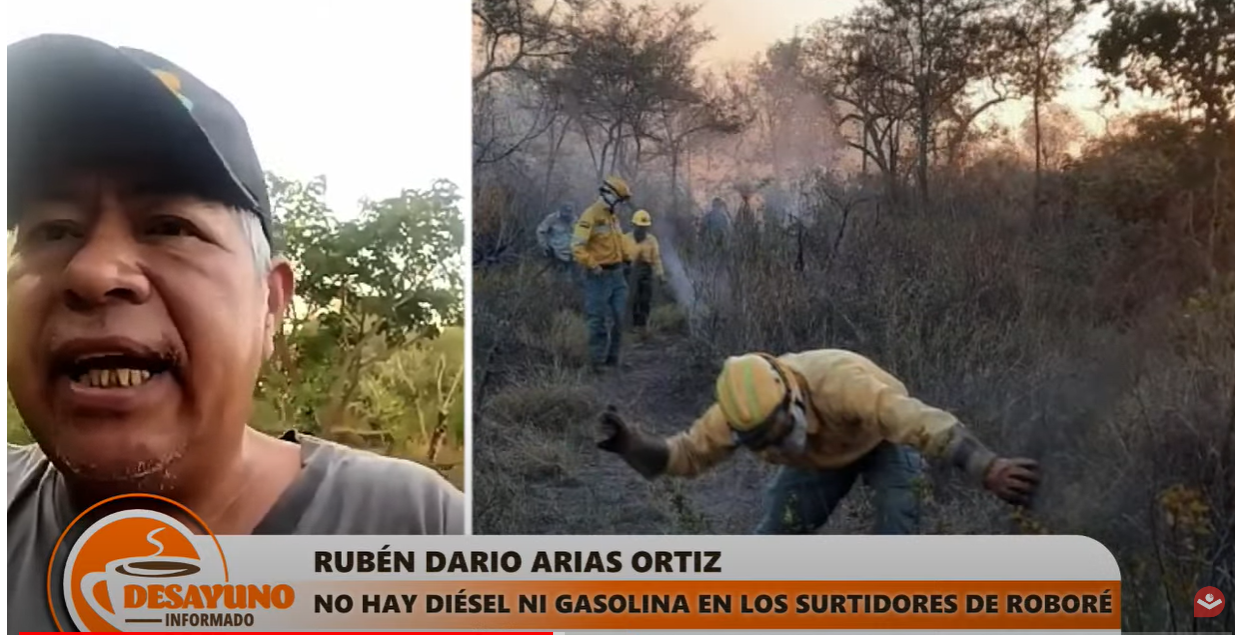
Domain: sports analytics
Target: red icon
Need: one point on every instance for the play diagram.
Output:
(1208, 603)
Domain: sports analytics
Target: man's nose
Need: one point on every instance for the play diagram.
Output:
(107, 266)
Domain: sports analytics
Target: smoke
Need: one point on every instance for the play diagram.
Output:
(793, 138)
(678, 279)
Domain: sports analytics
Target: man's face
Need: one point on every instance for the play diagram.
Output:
(771, 432)
(138, 321)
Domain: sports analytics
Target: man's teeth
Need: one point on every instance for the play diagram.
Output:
(114, 377)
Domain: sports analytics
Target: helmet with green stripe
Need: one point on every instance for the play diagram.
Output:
(751, 388)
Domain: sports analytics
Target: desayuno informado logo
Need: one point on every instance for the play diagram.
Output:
(142, 570)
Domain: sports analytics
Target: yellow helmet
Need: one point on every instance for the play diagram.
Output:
(642, 218)
(617, 186)
(750, 388)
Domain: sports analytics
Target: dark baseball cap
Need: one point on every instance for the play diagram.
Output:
(78, 102)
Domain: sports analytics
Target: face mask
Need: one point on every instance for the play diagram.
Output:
(795, 441)
(611, 199)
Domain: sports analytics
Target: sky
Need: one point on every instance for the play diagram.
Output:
(373, 94)
(743, 29)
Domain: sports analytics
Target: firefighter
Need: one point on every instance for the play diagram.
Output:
(554, 237)
(644, 253)
(825, 417)
(714, 227)
(600, 249)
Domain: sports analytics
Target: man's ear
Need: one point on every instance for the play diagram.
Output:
(280, 287)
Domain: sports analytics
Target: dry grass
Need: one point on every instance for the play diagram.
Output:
(1057, 336)
(567, 338)
(668, 318)
(1132, 416)
(450, 458)
(540, 420)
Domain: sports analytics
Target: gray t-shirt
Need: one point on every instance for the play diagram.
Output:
(340, 491)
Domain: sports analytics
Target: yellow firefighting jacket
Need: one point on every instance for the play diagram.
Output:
(647, 252)
(851, 405)
(598, 239)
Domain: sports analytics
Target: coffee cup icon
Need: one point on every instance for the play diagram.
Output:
(126, 580)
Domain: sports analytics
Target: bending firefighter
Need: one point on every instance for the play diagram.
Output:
(554, 237)
(644, 253)
(600, 250)
(826, 417)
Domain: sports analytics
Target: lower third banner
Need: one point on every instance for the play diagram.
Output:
(146, 570)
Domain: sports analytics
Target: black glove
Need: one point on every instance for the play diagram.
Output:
(615, 434)
(1014, 480)
(649, 456)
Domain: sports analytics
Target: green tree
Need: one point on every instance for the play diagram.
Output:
(1185, 51)
(366, 288)
(415, 395)
(1182, 50)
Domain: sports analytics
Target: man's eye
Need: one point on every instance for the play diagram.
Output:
(52, 232)
(170, 226)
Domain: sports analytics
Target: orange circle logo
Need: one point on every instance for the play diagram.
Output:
(143, 570)
(129, 570)
(139, 569)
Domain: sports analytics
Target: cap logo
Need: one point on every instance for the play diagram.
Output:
(173, 84)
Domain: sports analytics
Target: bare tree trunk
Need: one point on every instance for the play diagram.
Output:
(894, 161)
(591, 149)
(865, 148)
(603, 167)
(1037, 145)
(633, 168)
(924, 89)
(799, 263)
(674, 159)
(553, 154)
(924, 133)
(615, 148)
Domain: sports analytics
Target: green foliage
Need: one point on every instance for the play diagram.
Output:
(1181, 50)
(17, 432)
(362, 358)
(1163, 180)
(397, 264)
(405, 389)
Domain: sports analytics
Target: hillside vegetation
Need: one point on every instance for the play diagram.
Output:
(1067, 290)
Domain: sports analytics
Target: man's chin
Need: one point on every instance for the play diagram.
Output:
(114, 457)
